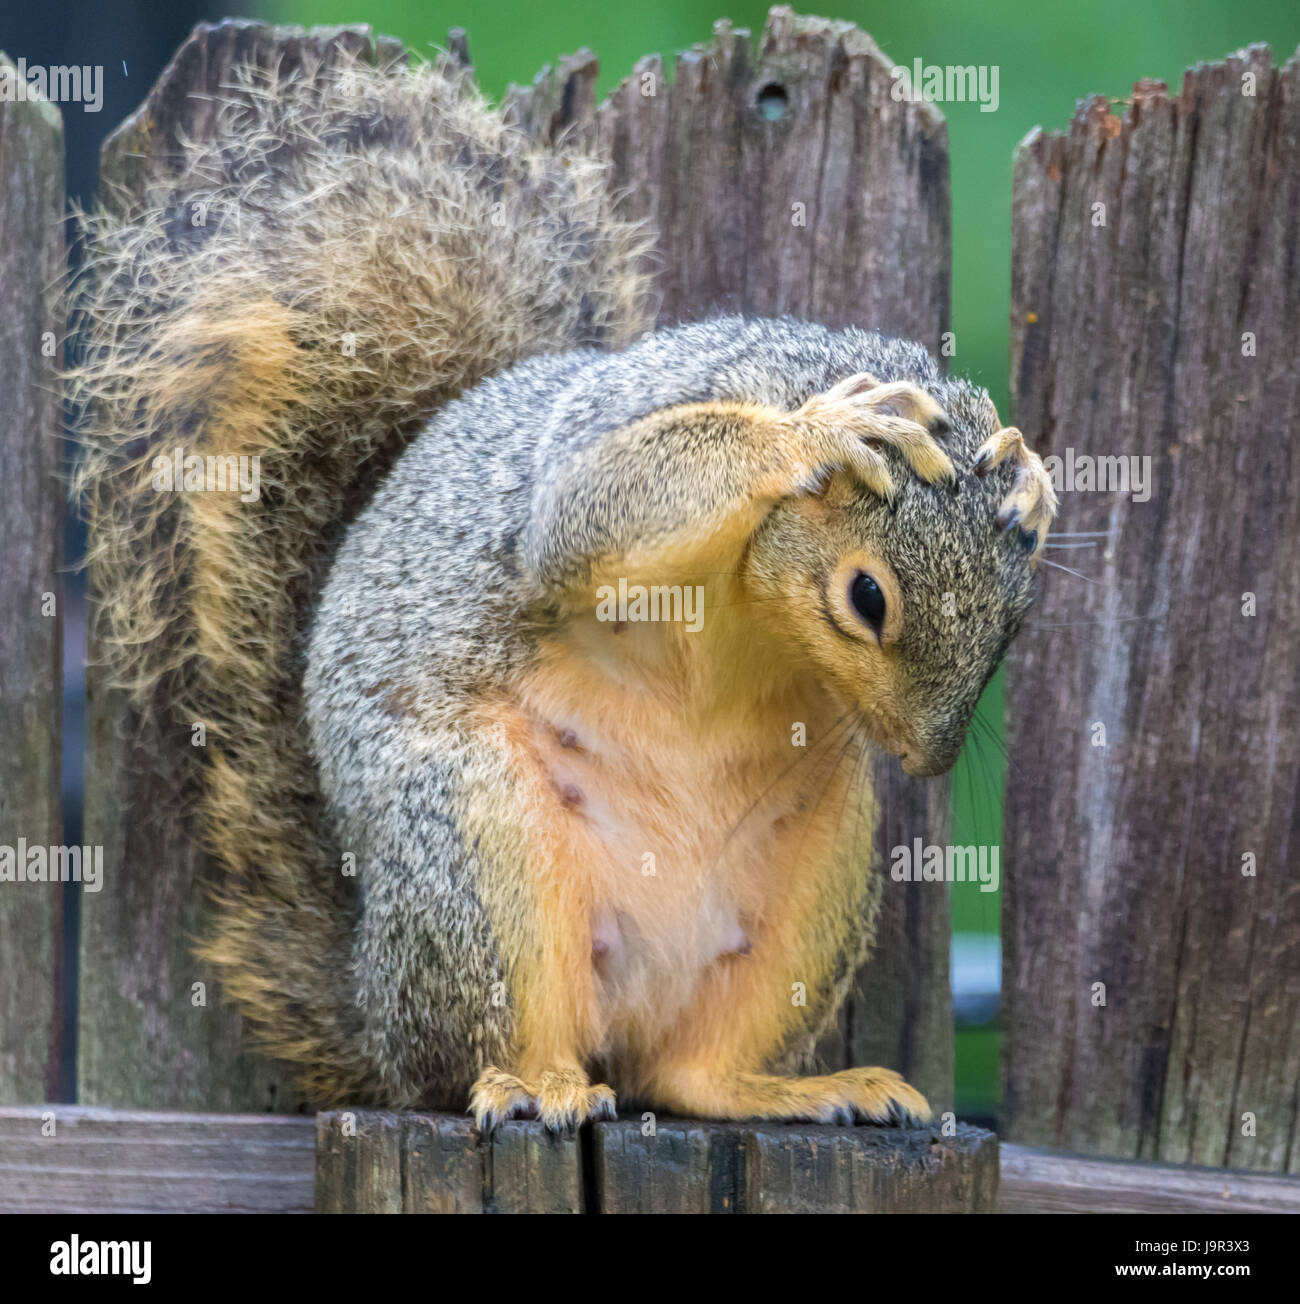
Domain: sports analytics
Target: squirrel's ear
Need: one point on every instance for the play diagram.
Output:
(833, 492)
(838, 489)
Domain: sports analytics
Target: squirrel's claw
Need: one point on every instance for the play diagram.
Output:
(1031, 504)
(499, 1096)
(858, 412)
(561, 1099)
(860, 1095)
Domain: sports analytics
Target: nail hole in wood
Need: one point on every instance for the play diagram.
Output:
(772, 102)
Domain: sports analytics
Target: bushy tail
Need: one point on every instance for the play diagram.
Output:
(348, 249)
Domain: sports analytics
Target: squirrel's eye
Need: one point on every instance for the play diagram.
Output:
(868, 601)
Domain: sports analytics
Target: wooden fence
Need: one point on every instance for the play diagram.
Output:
(1153, 831)
(31, 589)
(788, 179)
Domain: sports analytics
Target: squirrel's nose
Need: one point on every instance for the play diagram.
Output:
(937, 743)
(927, 764)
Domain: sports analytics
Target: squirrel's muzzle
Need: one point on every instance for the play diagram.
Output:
(938, 748)
(921, 765)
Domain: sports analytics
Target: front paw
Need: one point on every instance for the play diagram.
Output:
(846, 424)
(561, 1099)
(1031, 504)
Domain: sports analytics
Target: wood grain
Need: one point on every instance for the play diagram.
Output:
(370, 1161)
(437, 1163)
(129, 1161)
(870, 1170)
(32, 261)
(1125, 861)
(1038, 1181)
(118, 1161)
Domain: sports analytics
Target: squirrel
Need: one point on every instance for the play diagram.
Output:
(588, 857)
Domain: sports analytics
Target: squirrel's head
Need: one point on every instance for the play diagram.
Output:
(904, 608)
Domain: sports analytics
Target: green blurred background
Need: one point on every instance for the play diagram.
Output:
(1049, 56)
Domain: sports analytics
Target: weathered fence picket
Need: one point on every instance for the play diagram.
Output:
(371, 1161)
(32, 255)
(1156, 307)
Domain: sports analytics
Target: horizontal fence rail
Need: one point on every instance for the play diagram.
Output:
(80, 1159)
(71, 1158)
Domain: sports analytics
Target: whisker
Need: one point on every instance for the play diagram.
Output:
(745, 602)
(1102, 622)
(817, 805)
(851, 786)
(996, 784)
(803, 756)
(1055, 566)
(858, 781)
(983, 731)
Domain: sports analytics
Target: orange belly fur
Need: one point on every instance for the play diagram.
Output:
(680, 818)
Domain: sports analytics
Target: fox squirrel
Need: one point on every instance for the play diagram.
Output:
(578, 842)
